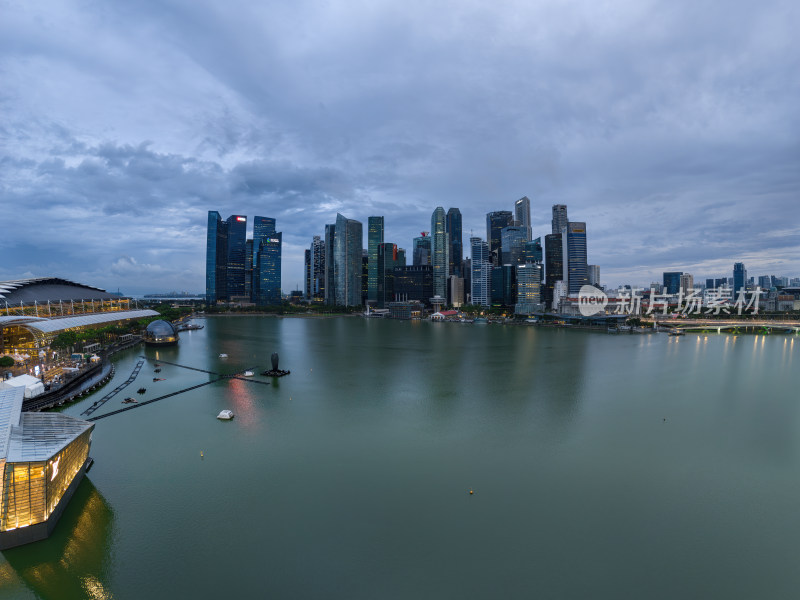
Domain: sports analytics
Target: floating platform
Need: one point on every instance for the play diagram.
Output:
(275, 373)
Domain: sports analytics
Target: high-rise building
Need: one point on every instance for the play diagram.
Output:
(532, 251)
(330, 269)
(765, 282)
(522, 214)
(347, 254)
(248, 269)
(413, 283)
(594, 275)
(216, 259)
(686, 283)
(269, 270)
(455, 290)
(263, 227)
(481, 274)
(307, 273)
(237, 237)
(317, 252)
(512, 242)
(422, 250)
(374, 238)
(384, 277)
(578, 267)
(672, 281)
(529, 279)
(495, 221)
(559, 218)
(364, 274)
(455, 234)
(709, 284)
(504, 285)
(401, 257)
(739, 277)
(439, 255)
(554, 265)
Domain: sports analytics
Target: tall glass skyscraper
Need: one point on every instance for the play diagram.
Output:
(672, 281)
(578, 265)
(347, 252)
(330, 268)
(237, 237)
(495, 221)
(522, 215)
(269, 269)
(559, 218)
(456, 244)
(386, 262)
(533, 251)
(422, 250)
(317, 268)
(374, 238)
(739, 277)
(513, 239)
(529, 278)
(481, 275)
(216, 259)
(440, 250)
(554, 265)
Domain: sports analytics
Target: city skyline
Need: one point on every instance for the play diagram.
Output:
(665, 129)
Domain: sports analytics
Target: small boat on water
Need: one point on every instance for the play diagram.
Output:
(158, 379)
(223, 355)
(225, 415)
(129, 400)
(248, 374)
(480, 321)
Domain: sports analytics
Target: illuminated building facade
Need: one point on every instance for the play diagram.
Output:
(374, 239)
(43, 457)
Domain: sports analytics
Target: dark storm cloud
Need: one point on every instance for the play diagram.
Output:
(670, 128)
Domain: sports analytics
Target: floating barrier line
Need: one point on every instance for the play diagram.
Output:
(116, 390)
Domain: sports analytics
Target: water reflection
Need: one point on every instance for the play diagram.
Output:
(76, 560)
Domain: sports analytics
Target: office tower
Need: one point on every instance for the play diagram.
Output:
(512, 243)
(578, 275)
(720, 282)
(495, 221)
(401, 257)
(554, 265)
(237, 234)
(466, 269)
(455, 290)
(672, 281)
(413, 283)
(330, 270)
(422, 250)
(504, 285)
(455, 234)
(216, 259)
(559, 218)
(269, 270)
(384, 276)
(248, 269)
(374, 237)
(709, 284)
(593, 272)
(317, 252)
(739, 277)
(522, 214)
(765, 282)
(481, 274)
(439, 252)
(307, 274)
(263, 227)
(347, 259)
(529, 280)
(686, 283)
(364, 274)
(532, 251)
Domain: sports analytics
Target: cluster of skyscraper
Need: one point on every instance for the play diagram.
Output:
(506, 269)
(239, 269)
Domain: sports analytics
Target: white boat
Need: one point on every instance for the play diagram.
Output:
(225, 415)
(248, 373)
(223, 356)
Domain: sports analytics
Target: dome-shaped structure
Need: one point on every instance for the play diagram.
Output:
(160, 333)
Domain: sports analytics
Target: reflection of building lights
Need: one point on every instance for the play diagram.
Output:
(55, 468)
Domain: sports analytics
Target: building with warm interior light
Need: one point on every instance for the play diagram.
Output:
(43, 457)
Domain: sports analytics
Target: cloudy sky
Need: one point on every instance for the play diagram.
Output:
(671, 128)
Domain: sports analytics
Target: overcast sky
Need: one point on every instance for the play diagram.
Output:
(671, 128)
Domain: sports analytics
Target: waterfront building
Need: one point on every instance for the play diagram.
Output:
(594, 275)
(160, 333)
(455, 235)
(522, 215)
(559, 294)
(413, 283)
(385, 264)
(578, 268)
(317, 269)
(455, 290)
(43, 457)
(560, 220)
(267, 270)
(374, 238)
(495, 222)
(364, 275)
(504, 285)
(248, 269)
(532, 251)
(686, 283)
(347, 257)
(330, 279)
(440, 250)
(513, 239)
(481, 272)
(739, 277)
(421, 252)
(672, 281)
(529, 298)
(216, 259)
(237, 237)
(554, 265)
(307, 273)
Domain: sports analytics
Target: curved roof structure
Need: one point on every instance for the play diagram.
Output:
(53, 289)
(43, 325)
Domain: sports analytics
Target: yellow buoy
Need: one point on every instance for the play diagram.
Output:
(470, 492)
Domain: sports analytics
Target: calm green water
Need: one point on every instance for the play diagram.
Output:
(350, 478)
